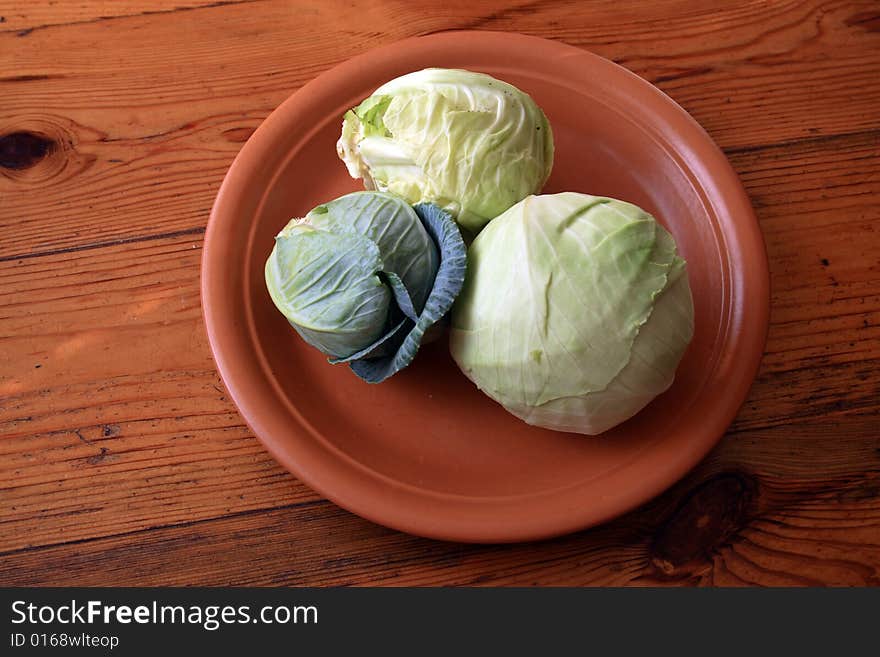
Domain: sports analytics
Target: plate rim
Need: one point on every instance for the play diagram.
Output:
(370, 498)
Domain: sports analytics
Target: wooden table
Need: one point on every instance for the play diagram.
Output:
(123, 462)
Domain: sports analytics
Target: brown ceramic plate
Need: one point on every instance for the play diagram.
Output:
(425, 452)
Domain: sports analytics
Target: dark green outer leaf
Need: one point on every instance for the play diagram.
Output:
(447, 284)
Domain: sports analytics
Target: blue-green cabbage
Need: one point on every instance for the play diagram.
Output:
(362, 277)
(464, 141)
(575, 312)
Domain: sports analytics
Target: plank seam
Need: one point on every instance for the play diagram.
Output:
(198, 230)
(173, 525)
(803, 141)
(23, 32)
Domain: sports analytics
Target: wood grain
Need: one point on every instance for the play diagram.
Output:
(112, 415)
(146, 132)
(783, 528)
(813, 200)
(122, 460)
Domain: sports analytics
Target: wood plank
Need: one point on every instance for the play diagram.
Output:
(813, 200)
(111, 414)
(811, 517)
(177, 451)
(138, 137)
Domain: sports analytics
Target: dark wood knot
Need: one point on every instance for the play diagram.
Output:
(22, 150)
(704, 521)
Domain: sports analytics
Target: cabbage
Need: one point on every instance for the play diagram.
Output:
(361, 278)
(575, 311)
(464, 141)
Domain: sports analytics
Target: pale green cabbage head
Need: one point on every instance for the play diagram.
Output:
(575, 313)
(466, 142)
